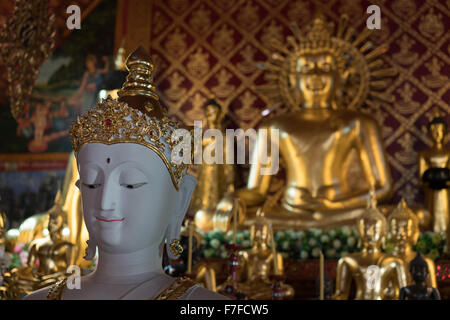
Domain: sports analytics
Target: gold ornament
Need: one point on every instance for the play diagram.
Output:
(136, 117)
(26, 40)
(176, 247)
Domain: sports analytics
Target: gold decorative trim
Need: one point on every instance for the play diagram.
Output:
(111, 122)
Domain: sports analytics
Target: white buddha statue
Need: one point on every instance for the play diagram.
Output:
(134, 197)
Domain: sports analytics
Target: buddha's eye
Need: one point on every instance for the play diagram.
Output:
(133, 186)
(92, 186)
(308, 67)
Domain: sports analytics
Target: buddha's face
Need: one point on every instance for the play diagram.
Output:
(54, 223)
(371, 231)
(438, 132)
(260, 234)
(402, 231)
(419, 273)
(316, 78)
(212, 114)
(127, 194)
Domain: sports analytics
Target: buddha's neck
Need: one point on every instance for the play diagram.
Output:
(261, 246)
(402, 250)
(213, 125)
(317, 104)
(438, 145)
(134, 267)
(55, 237)
(371, 249)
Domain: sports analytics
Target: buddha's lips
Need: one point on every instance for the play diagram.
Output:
(104, 220)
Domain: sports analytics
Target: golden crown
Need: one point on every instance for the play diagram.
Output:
(136, 117)
(319, 39)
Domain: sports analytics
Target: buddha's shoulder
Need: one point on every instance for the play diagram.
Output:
(351, 258)
(389, 259)
(352, 115)
(40, 294)
(346, 116)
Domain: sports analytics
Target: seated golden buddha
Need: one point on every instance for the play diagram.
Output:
(371, 271)
(332, 153)
(33, 227)
(48, 258)
(257, 264)
(403, 234)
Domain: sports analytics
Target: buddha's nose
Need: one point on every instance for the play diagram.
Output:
(108, 197)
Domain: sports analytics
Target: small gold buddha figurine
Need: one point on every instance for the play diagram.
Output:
(33, 227)
(214, 180)
(52, 255)
(371, 270)
(434, 174)
(404, 232)
(259, 262)
(332, 152)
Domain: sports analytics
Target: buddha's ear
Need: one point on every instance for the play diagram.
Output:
(187, 187)
(185, 191)
(345, 75)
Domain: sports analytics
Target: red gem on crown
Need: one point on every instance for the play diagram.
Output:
(108, 122)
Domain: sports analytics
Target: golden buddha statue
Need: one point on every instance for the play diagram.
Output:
(214, 180)
(33, 227)
(403, 233)
(371, 270)
(258, 263)
(48, 258)
(434, 174)
(332, 153)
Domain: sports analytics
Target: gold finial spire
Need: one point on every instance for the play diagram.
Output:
(138, 90)
(436, 113)
(403, 204)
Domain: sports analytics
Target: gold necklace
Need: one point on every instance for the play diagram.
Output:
(172, 292)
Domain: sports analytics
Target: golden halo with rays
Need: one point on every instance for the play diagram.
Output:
(362, 71)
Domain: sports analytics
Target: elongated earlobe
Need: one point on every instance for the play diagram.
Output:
(184, 198)
(186, 190)
(91, 250)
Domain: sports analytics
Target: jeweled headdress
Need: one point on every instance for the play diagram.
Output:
(135, 117)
